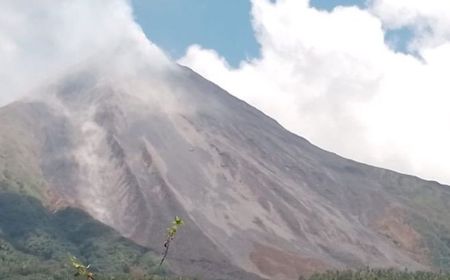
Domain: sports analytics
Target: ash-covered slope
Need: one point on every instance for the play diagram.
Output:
(134, 151)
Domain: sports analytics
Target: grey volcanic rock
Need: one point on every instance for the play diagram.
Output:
(258, 200)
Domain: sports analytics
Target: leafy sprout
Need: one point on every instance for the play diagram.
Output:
(171, 232)
(81, 269)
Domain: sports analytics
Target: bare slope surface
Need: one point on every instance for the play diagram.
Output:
(135, 151)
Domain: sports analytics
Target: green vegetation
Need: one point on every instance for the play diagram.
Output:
(35, 244)
(378, 274)
(81, 269)
(171, 233)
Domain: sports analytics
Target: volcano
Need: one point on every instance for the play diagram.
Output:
(134, 148)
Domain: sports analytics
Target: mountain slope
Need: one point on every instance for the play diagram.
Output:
(135, 152)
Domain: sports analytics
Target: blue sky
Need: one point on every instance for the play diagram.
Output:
(174, 25)
(330, 4)
(224, 26)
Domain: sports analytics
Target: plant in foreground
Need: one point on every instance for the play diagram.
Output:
(171, 232)
(81, 269)
(84, 271)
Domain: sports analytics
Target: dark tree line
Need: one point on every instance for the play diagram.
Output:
(379, 274)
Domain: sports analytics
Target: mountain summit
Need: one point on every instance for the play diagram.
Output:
(135, 147)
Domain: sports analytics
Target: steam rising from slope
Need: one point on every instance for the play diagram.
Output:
(43, 39)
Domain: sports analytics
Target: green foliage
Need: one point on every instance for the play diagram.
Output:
(378, 274)
(34, 244)
(171, 232)
(81, 269)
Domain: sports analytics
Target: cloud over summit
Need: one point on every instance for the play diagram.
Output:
(40, 40)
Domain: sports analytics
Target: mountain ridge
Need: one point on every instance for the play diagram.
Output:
(255, 197)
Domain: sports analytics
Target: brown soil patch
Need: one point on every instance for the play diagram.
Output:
(393, 226)
(54, 201)
(277, 264)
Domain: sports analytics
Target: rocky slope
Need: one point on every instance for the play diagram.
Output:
(258, 200)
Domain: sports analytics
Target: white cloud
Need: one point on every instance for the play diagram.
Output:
(41, 39)
(429, 19)
(329, 76)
